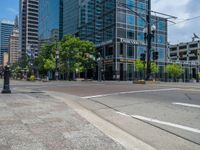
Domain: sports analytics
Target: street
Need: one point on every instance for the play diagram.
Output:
(165, 116)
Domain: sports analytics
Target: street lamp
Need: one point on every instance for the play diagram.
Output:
(149, 32)
(6, 85)
(99, 63)
(57, 59)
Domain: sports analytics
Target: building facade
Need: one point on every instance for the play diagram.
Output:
(50, 20)
(187, 55)
(6, 28)
(28, 23)
(14, 51)
(117, 32)
(5, 59)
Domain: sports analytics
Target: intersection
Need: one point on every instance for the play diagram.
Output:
(162, 115)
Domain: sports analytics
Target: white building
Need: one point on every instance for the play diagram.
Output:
(188, 55)
(28, 23)
(14, 51)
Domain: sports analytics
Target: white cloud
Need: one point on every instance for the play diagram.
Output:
(181, 32)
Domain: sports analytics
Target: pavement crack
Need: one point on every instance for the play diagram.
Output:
(189, 98)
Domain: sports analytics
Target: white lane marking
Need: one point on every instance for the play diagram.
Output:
(123, 114)
(130, 92)
(167, 123)
(161, 122)
(188, 105)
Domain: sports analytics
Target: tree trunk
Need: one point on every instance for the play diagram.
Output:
(86, 74)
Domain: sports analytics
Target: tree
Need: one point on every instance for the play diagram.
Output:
(154, 68)
(140, 66)
(87, 50)
(45, 61)
(174, 70)
(74, 54)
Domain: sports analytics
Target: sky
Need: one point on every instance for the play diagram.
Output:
(9, 9)
(183, 9)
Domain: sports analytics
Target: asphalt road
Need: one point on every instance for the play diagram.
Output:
(165, 116)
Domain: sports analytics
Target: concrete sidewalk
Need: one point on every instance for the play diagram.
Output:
(37, 121)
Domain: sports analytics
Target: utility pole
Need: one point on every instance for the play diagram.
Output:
(149, 37)
(57, 59)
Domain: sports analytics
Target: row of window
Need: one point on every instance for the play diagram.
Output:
(130, 34)
(129, 19)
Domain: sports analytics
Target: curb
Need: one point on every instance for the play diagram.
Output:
(125, 139)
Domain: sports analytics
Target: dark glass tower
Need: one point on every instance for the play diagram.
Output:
(6, 28)
(117, 32)
(50, 20)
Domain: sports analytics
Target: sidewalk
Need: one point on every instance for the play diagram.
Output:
(37, 121)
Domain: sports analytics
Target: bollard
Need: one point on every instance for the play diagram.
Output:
(6, 86)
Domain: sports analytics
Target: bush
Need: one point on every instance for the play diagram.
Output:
(198, 74)
(32, 78)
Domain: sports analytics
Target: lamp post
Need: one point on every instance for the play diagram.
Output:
(6, 86)
(99, 63)
(149, 35)
(57, 59)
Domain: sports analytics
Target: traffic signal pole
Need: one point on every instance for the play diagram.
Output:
(148, 41)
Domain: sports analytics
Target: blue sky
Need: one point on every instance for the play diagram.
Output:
(9, 9)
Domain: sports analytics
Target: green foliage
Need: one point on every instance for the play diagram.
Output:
(46, 60)
(154, 68)
(74, 54)
(198, 74)
(49, 64)
(140, 66)
(175, 70)
(32, 78)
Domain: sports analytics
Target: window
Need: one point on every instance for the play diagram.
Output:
(130, 51)
(130, 34)
(141, 6)
(161, 25)
(130, 19)
(140, 22)
(131, 3)
(161, 54)
(161, 39)
(140, 36)
(140, 50)
(121, 17)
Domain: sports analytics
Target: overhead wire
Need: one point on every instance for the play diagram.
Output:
(185, 20)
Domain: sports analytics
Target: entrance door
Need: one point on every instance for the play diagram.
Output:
(121, 72)
(194, 75)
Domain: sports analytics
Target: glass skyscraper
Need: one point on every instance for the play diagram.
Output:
(50, 20)
(118, 32)
(6, 28)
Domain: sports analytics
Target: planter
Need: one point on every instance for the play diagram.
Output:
(139, 82)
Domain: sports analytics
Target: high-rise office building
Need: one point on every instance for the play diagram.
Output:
(50, 20)
(28, 22)
(6, 28)
(118, 32)
(14, 51)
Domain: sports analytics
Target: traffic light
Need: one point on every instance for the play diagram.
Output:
(155, 55)
(142, 57)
